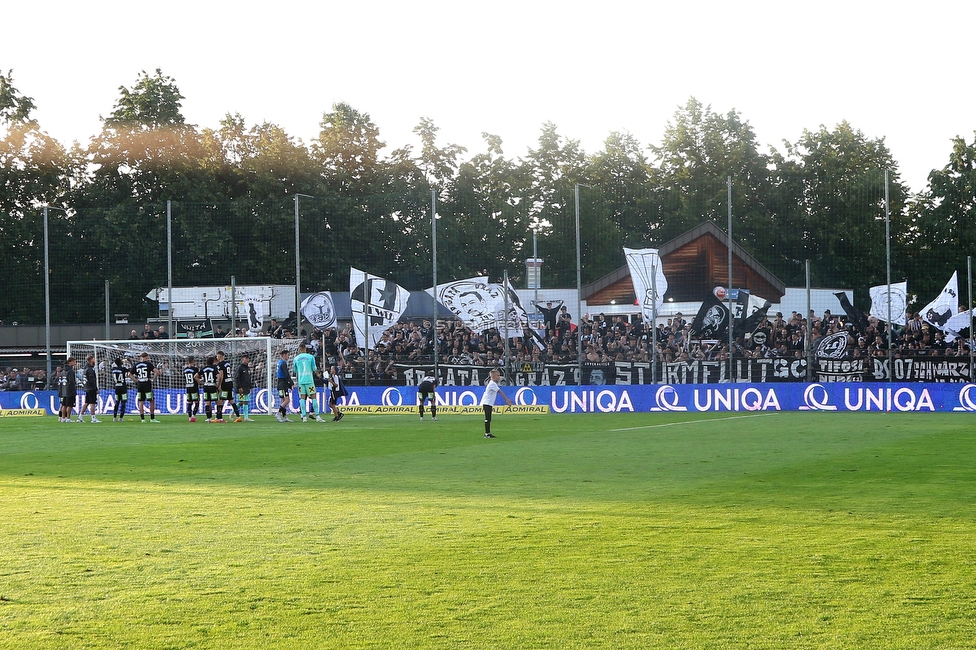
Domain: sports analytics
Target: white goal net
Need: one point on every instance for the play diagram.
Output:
(170, 357)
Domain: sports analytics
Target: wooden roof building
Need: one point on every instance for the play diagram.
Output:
(694, 263)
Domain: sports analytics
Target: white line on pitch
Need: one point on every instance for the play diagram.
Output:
(671, 424)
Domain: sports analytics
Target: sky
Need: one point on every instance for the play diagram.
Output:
(898, 71)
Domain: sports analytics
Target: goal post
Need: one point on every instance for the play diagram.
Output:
(170, 357)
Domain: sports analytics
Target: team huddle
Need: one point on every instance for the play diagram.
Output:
(218, 385)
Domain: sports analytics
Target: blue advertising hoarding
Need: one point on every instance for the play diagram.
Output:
(855, 396)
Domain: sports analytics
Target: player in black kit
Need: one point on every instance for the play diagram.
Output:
(226, 393)
(211, 384)
(191, 379)
(119, 375)
(425, 391)
(144, 372)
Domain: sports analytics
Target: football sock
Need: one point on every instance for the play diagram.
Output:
(237, 413)
(302, 408)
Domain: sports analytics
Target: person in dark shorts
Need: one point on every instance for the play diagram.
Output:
(244, 384)
(284, 384)
(91, 390)
(144, 372)
(226, 393)
(425, 391)
(191, 379)
(210, 378)
(337, 390)
(68, 391)
(119, 376)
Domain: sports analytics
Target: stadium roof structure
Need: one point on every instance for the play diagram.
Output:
(694, 263)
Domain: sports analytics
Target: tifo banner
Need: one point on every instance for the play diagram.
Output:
(481, 305)
(745, 398)
(626, 373)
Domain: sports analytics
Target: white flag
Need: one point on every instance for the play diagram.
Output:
(957, 323)
(647, 274)
(481, 305)
(898, 299)
(376, 305)
(945, 306)
(319, 310)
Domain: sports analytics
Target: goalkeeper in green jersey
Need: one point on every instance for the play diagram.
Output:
(304, 367)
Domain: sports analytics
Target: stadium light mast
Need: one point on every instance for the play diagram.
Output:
(47, 294)
(298, 267)
(169, 270)
(579, 291)
(891, 363)
(433, 249)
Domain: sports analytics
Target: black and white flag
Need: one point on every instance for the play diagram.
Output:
(647, 274)
(481, 305)
(319, 310)
(897, 298)
(712, 320)
(750, 310)
(945, 306)
(251, 307)
(854, 315)
(957, 326)
(376, 305)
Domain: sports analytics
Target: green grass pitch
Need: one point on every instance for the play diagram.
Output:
(672, 530)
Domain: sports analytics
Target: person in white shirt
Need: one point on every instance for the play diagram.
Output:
(492, 390)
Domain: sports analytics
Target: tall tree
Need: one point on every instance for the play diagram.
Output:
(483, 213)
(701, 149)
(941, 233)
(145, 155)
(832, 199)
(621, 173)
(34, 170)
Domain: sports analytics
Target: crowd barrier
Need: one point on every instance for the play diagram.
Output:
(746, 397)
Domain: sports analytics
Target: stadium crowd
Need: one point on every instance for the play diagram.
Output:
(607, 339)
(604, 339)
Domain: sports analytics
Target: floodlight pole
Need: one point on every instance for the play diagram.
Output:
(579, 291)
(969, 272)
(433, 246)
(891, 361)
(298, 268)
(47, 294)
(169, 271)
(729, 292)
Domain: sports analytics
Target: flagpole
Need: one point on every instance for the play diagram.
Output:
(728, 295)
(579, 295)
(809, 332)
(508, 347)
(891, 363)
(654, 323)
(298, 267)
(969, 272)
(433, 245)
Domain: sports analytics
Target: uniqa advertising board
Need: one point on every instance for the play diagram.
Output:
(829, 396)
